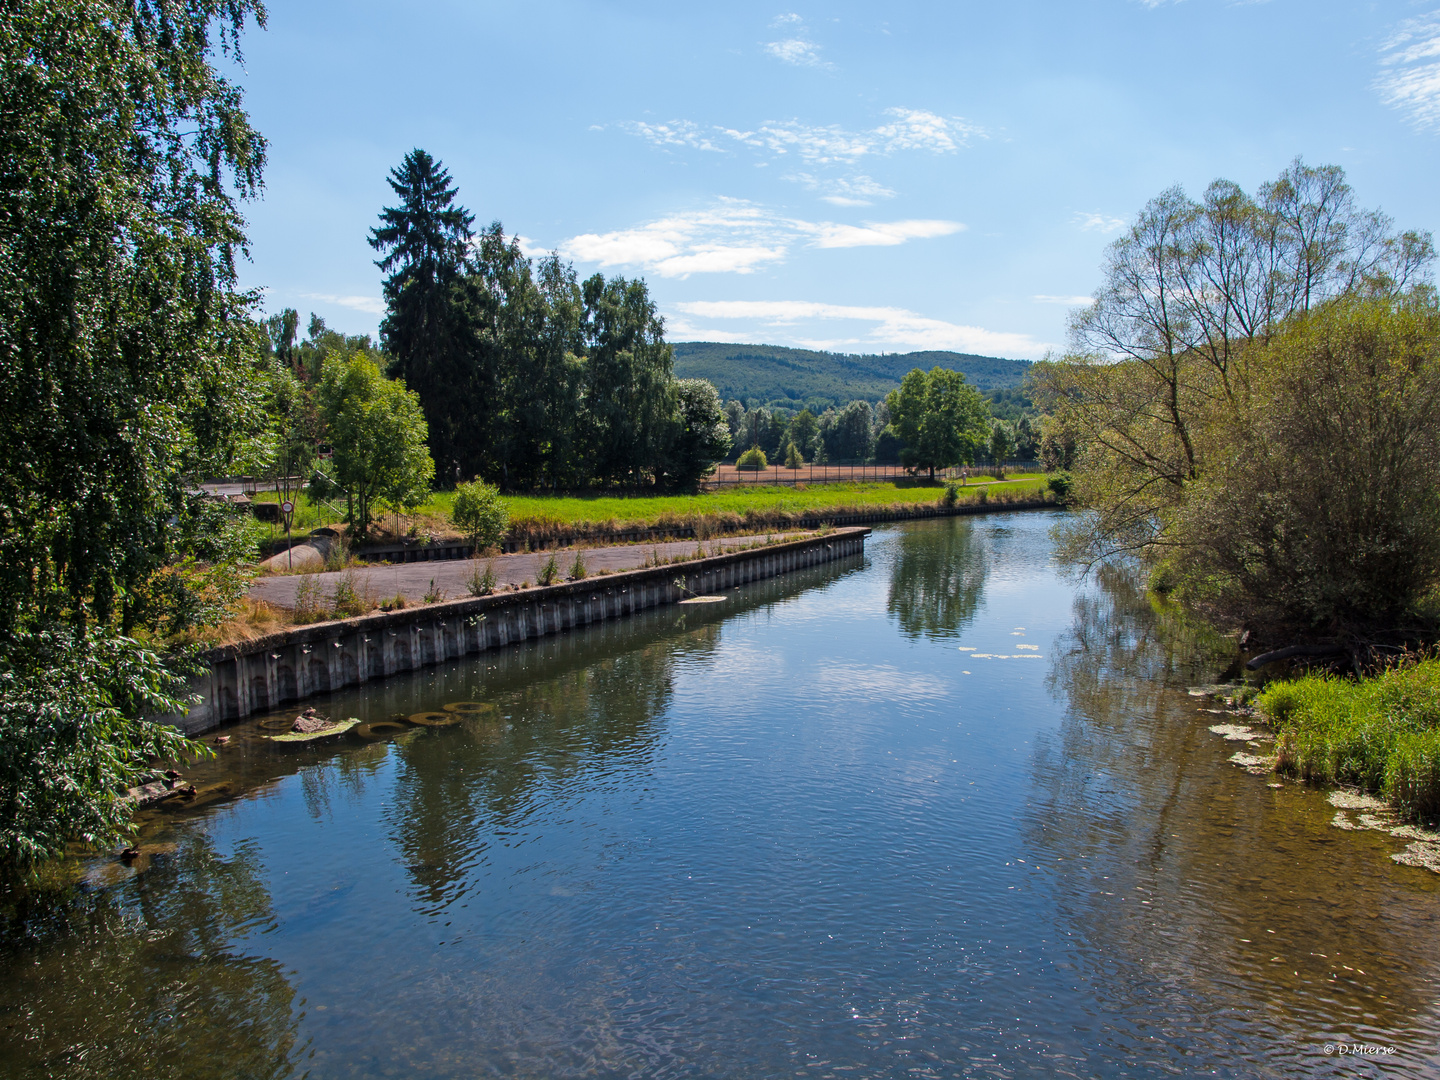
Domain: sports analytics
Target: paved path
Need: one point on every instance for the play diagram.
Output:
(452, 576)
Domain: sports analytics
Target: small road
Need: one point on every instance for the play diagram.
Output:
(451, 577)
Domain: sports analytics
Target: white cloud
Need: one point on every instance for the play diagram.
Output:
(370, 305)
(823, 144)
(917, 129)
(796, 51)
(894, 327)
(1410, 80)
(675, 133)
(1101, 223)
(852, 191)
(735, 236)
(1068, 301)
(882, 233)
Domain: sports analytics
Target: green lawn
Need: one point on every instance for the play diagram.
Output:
(650, 509)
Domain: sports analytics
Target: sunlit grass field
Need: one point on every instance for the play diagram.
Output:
(639, 509)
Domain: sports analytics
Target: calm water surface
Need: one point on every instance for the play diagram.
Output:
(934, 812)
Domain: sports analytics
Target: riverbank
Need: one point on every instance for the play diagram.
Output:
(253, 676)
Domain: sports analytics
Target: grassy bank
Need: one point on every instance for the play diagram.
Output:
(1380, 734)
(540, 517)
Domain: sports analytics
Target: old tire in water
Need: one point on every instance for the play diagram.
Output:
(381, 729)
(434, 719)
(469, 708)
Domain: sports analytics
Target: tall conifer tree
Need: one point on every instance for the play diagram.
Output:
(423, 244)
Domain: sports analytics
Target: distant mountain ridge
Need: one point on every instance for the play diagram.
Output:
(774, 375)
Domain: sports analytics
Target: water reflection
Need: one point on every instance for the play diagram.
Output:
(937, 578)
(1203, 901)
(538, 742)
(144, 978)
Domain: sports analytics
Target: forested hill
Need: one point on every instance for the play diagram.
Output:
(772, 375)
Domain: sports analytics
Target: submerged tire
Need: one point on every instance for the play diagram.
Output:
(469, 708)
(275, 723)
(435, 719)
(381, 729)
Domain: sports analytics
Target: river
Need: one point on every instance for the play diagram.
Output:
(939, 811)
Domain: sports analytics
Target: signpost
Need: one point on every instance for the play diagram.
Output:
(287, 508)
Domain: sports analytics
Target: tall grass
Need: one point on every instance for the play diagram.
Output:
(1381, 734)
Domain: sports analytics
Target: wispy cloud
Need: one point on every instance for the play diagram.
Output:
(735, 236)
(1101, 223)
(675, 133)
(371, 305)
(892, 327)
(1410, 75)
(822, 144)
(796, 49)
(1068, 301)
(881, 233)
(848, 191)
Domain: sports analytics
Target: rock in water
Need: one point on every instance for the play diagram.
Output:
(309, 722)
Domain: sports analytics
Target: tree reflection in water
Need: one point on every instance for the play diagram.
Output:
(938, 578)
(586, 717)
(1195, 892)
(142, 978)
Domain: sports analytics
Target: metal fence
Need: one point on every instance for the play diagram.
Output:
(830, 473)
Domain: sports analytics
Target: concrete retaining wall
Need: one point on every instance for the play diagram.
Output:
(261, 675)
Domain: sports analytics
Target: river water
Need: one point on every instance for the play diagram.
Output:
(937, 811)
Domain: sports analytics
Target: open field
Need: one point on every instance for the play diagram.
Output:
(530, 511)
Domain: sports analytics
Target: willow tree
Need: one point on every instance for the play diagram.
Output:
(1177, 347)
(127, 364)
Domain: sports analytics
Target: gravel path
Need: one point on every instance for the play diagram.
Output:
(451, 577)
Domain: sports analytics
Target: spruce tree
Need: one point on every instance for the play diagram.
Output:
(423, 244)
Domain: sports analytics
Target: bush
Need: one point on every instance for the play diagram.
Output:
(1412, 776)
(752, 460)
(480, 514)
(951, 496)
(482, 582)
(577, 568)
(1380, 734)
(550, 572)
(1060, 484)
(793, 460)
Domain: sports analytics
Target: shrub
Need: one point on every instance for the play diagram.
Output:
(1380, 734)
(951, 496)
(550, 572)
(793, 460)
(480, 514)
(309, 601)
(434, 595)
(752, 460)
(1060, 484)
(481, 582)
(983, 496)
(1412, 776)
(577, 568)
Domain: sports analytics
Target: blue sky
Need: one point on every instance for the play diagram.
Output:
(854, 177)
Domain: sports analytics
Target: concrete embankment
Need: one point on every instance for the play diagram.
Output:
(261, 675)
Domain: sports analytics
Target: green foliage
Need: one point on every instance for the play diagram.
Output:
(71, 737)
(848, 435)
(377, 432)
(804, 432)
(481, 581)
(794, 379)
(578, 570)
(1380, 734)
(422, 244)
(753, 459)
(941, 420)
(127, 358)
(702, 436)
(550, 572)
(1257, 390)
(1002, 444)
(793, 460)
(1060, 484)
(480, 513)
(951, 496)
